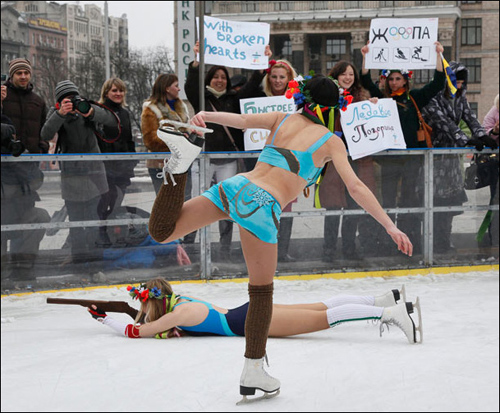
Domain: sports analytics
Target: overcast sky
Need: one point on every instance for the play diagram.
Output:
(150, 23)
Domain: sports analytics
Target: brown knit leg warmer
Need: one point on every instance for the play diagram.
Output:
(260, 311)
(167, 207)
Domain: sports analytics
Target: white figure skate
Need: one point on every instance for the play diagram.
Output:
(187, 126)
(391, 298)
(254, 377)
(399, 315)
(184, 149)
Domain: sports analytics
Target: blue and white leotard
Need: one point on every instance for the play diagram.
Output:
(230, 324)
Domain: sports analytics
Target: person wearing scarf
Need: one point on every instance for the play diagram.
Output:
(219, 97)
(407, 169)
(116, 140)
(332, 193)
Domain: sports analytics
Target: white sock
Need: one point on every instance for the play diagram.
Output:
(352, 312)
(349, 299)
(118, 326)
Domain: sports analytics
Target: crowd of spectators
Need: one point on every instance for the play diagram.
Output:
(94, 190)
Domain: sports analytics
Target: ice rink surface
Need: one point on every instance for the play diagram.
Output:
(57, 358)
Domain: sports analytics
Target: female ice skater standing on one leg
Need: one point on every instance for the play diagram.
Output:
(298, 147)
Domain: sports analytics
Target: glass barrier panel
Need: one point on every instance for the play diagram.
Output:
(79, 219)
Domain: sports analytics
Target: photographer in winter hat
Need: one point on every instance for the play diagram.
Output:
(75, 121)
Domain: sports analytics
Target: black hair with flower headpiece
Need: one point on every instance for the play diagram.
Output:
(317, 94)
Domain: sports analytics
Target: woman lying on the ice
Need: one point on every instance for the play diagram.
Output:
(164, 314)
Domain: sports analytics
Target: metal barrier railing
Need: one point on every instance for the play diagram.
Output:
(428, 209)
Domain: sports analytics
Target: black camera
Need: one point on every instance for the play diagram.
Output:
(80, 104)
(10, 145)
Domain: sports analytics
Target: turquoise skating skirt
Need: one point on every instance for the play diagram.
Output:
(250, 206)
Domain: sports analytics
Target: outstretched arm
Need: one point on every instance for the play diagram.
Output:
(164, 327)
(233, 120)
(365, 198)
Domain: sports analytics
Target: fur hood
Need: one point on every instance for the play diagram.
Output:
(150, 120)
(165, 112)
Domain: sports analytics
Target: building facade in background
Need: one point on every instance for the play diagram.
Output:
(38, 29)
(316, 35)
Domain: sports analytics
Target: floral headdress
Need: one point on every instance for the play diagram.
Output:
(407, 74)
(296, 89)
(143, 294)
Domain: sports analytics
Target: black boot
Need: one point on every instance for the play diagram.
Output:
(226, 236)
(284, 235)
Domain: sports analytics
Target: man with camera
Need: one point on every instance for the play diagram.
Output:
(75, 120)
(23, 115)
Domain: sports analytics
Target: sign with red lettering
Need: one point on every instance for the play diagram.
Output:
(402, 44)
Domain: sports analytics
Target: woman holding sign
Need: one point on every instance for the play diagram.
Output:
(405, 168)
(219, 97)
(297, 148)
(332, 193)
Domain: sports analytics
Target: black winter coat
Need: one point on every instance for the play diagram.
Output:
(28, 112)
(406, 109)
(118, 172)
(218, 141)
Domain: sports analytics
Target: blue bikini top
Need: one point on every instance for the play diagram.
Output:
(215, 323)
(298, 162)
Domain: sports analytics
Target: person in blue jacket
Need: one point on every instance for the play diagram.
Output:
(405, 172)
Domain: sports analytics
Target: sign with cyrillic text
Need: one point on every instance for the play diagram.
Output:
(370, 128)
(402, 44)
(255, 139)
(235, 44)
(185, 41)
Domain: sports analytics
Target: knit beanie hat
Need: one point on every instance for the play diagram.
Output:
(64, 89)
(238, 80)
(461, 75)
(19, 64)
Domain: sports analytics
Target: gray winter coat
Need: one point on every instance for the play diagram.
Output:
(443, 114)
(80, 180)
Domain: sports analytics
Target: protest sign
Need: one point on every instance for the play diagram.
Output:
(255, 139)
(235, 44)
(402, 44)
(369, 128)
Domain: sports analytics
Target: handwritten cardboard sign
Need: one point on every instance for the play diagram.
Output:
(402, 44)
(369, 128)
(235, 44)
(255, 139)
